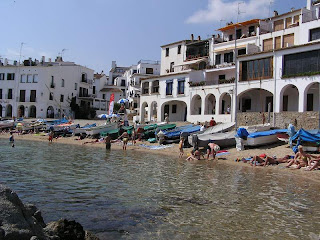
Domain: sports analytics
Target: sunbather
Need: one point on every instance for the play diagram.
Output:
(302, 159)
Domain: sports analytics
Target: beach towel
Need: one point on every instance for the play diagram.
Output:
(158, 147)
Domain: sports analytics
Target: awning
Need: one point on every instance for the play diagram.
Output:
(192, 62)
(229, 48)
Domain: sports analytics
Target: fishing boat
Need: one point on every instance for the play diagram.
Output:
(83, 129)
(309, 139)
(32, 126)
(223, 139)
(102, 128)
(115, 133)
(4, 124)
(185, 131)
(264, 137)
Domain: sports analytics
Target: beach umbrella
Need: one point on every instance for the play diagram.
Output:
(123, 101)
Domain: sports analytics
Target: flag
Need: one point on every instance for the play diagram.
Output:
(111, 103)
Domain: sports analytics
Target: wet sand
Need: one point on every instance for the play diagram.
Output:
(272, 150)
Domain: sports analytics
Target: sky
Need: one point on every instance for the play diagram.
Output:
(96, 32)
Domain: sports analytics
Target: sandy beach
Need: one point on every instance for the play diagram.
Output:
(173, 151)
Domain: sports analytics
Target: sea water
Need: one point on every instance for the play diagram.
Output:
(129, 195)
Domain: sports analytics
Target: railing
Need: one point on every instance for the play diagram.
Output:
(301, 71)
(226, 81)
(309, 16)
(149, 62)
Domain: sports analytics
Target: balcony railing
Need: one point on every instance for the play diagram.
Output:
(149, 62)
(309, 16)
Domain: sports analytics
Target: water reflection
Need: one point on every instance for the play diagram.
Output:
(138, 196)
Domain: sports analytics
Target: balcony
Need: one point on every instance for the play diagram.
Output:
(309, 16)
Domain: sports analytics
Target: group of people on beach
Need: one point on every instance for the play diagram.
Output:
(301, 159)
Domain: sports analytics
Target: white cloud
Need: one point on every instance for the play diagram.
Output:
(222, 10)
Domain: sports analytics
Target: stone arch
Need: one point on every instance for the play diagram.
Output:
(32, 111)
(196, 103)
(50, 112)
(210, 105)
(154, 111)
(289, 98)
(144, 111)
(176, 109)
(9, 110)
(255, 100)
(21, 111)
(225, 103)
(311, 97)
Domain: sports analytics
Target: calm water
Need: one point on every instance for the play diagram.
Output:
(137, 196)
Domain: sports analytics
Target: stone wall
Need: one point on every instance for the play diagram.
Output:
(306, 120)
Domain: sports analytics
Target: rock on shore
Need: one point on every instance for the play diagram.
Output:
(24, 222)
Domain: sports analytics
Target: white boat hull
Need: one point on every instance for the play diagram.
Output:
(263, 140)
(99, 129)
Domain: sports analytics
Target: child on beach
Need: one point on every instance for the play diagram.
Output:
(51, 136)
(125, 139)
(181, 147)
(107, 141)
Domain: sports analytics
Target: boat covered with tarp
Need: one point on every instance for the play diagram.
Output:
(309, 139)
(83, 128)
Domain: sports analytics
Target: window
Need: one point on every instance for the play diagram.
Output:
(145, 87)
(62, 82)
(174, 108)
(228, 57)
(301, 63)
(9, 94)
(33, 95)
(179, 49)
(123, 83)
(268, 44)
(52, 82)
(246, 104)
(242, 51)
(134, 71)
(94, 90)
(314, 35)
(51, 96)
(277, 42)
(169, 87)
(149, 70)
(61, 98)
(239, 33)
(256, 69)
(155, 86)
(230, 37)
(29, 78)
(252, 31)
(76, 86)
(288, 22)
(22, 96)
(10, 76)
(23, 78)
(167, 52)
(171, 67)
(288, 40)
(278, 25)
(0, 93)
(35, 78)
(218, 59)
(181, 83)
(222, 77)
(1, 76)
(103, 96)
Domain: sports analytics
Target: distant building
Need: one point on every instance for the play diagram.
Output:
(43, 89)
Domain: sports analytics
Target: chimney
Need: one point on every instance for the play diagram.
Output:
(309, 4)
(43, 59)
(292, 9)
(199, 38)
(192, 37)
(275, 13)
(5, 62)
(114, 64)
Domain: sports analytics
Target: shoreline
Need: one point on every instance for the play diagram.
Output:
(278, 150)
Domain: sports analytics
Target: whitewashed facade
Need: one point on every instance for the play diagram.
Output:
(44, 89)
(198, 77)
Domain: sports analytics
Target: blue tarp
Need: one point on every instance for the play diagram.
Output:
(267, 133)
(185, 129)
(306, 136)
(242, 133)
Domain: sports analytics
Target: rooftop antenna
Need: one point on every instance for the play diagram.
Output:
(270, 4)
(21, 51)
(62, 51)
(239, 12)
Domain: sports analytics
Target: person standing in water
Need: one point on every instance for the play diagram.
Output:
(181, 147)
(11, 139)
(51, 134)
(133, 136)
(107, 141)
(125, 138)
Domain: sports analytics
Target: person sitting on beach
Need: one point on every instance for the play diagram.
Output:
(195, 155)
(107, 141)
(125, 138)
(181, 147)
(302, 159)
(264, 160)
(212, 149)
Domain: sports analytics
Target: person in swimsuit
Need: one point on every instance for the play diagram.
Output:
(195, 155)
(133, 136)
(265, 160)
(181, 147)
(125, 139)
(107, 141)
(302, 159)
(212, 149)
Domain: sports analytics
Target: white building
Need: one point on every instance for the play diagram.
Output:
(275, 64)
(43, 89)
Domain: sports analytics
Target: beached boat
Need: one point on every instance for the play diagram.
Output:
(223, 139)
(6, 124)
(185, 131)
(83, 129)
(263, 138)
(102, 128)
(309, 139)
(115, 133)
(32, 126)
